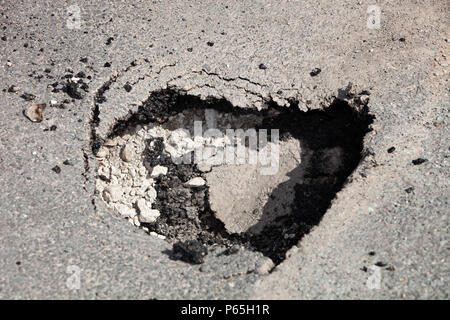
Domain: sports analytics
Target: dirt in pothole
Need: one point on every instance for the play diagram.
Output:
(331, 140)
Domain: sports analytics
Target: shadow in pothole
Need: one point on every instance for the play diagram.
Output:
(331, 144)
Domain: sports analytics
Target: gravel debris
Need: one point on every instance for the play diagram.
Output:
(35, 112)
(419, 161)
(391, 149)
(146, 213)
(127, 153)
(159, 170)
(28, 96)
(13, 89)
(265, 267)
(315, 72)
(112, 193)
(196, 182)
(56, 169)
(190, 251)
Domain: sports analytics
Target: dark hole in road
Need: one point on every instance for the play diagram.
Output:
(186, 214)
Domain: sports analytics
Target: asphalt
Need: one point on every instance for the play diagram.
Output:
(50, 224)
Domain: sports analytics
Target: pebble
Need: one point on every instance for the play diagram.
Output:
(13, 89)
(127, 153)
(151, 194)
(265, 267)
(126, 211)
(204, 167)
(315, 72)
(102, 153)
(196, 182)
(28, 96)
(112, 193)
(110, 143)
(104, 173)
(146, 214)
(158, 171)
(35, 112)
(136, 221)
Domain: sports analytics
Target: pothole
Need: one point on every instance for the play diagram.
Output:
(189, 169)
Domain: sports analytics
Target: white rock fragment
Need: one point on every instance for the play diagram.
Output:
(126, 211)
(156, 235)
(158, 171)
(102, 152)
(151, 194)
(195, 182)
(136, 221)
(110, 143)
(112, 193)
(204, 167)
(104, 173)
(127, 153)
(265, 267)
(146, 214)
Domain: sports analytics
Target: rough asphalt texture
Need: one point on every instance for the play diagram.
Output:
(391, 213)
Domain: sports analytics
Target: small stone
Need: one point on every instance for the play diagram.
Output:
(265, 267)
(110, 143)
(195, 182)
(315, 72)
(127, 153)
(126, 211)
(35, 112)
(419, 161)
(104, 173)
(28, 96)
(146, 214)
(190, 251)
(210, 43)
(136, 221)
(71, 88)
(112, 193)
(151, 194)
(364, 98)
(158, 171)
(391, 149)
(127, 87)
(204, 167)
(56, 169)
(232, 250)
(81, 75)
(102, 153)
(262, 66)
(13, 89)
(409, 190)
(9, 64)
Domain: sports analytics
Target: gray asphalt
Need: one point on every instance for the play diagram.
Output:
(49, 223)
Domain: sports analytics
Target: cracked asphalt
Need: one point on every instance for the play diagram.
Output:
(391, 217)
